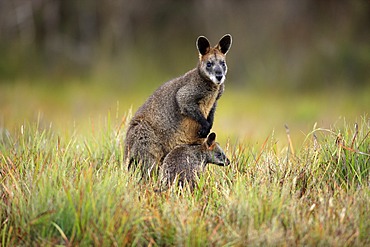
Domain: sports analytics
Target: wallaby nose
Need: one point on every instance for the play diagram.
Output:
(219, 77)
(227, 162)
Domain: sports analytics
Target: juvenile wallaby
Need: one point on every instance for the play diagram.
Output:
(186, 162)
(181, 111)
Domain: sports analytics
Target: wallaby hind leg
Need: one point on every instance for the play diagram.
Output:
(143, 148)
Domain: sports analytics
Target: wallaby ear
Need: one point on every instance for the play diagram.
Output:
(225, 43)
(203, 45)
(211, 139)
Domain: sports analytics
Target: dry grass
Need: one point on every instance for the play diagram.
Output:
(68, 189)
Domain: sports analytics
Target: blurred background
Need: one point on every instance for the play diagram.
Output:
(72, 63)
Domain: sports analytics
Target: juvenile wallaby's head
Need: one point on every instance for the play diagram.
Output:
(215, 154)
(212, 63)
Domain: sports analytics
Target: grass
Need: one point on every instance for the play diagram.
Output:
(64, 188)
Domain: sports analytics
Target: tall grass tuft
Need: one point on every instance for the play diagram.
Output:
(67, 189)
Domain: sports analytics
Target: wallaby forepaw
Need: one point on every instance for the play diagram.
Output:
(204, 131)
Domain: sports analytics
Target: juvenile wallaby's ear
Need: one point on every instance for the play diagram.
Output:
(225, 43)
(203, 45)
(211, 139)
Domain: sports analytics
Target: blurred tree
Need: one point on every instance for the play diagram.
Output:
(275, 42)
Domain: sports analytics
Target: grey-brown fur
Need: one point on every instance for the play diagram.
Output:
(181, 111)
(186, 163)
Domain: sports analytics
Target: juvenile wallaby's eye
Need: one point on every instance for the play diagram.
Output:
(209, 64)
(219, 155)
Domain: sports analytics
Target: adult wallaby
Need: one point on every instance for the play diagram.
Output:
(181, 111)
(186, 162)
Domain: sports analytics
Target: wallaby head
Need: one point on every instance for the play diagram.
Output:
(212, 64)
(215, 154)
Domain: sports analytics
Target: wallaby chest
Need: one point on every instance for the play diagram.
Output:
(207, 102)
(188, 129)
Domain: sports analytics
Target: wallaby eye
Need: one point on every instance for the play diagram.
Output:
(209, 64)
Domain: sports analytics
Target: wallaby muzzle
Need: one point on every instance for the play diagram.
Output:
(218, 72)
(227, 162)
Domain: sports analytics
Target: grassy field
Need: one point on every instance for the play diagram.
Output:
(63, 182)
